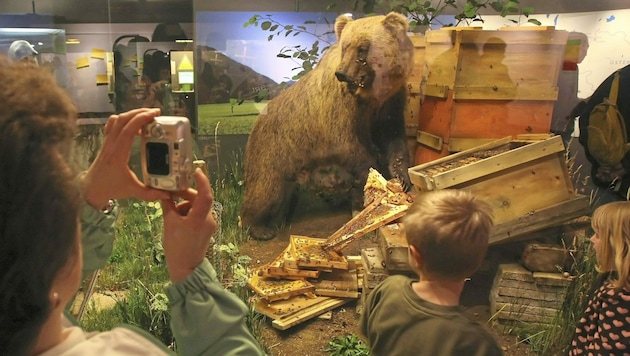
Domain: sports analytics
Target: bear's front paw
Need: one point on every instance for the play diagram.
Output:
(261, 232)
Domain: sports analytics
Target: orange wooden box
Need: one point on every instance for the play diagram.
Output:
(481, 84)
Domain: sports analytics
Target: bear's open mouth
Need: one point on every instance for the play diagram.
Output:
(361, 83)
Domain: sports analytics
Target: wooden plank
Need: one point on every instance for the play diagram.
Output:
(463, 144)
(570, 226)
(502, 92)
(544, 279)
(540, 219)
(308, 313)
(429, 140)
(534, 137)
(436, 90)
(499, 162)
(555, 304)
(524, 190)
(426, 183)
(284, 308)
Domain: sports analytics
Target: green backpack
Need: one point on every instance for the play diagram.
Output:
(607, 138)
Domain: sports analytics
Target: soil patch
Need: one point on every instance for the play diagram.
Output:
(317, 219)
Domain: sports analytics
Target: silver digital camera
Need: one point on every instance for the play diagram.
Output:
(167, 160)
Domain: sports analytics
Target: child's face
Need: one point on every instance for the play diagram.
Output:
(596, 245)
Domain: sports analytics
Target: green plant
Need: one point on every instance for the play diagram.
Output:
(424, 13)
(305, 58)
(349, 345)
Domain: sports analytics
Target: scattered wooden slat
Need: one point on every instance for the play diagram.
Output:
(272, 289)
(277, 268)
(308, 313)
(284, 308)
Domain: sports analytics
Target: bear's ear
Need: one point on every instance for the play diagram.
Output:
(340, 23)
(396, 20)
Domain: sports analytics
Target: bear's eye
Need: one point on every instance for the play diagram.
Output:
(362, 53)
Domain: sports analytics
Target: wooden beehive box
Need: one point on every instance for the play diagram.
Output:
(414, 94)
(520, 296)
(393, 244)
(484, 84)
(527, 183)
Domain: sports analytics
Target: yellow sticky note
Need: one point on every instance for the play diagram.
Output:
(98, 53)
(102, 79)
(83, 62)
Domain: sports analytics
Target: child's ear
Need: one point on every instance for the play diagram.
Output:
(415, 258)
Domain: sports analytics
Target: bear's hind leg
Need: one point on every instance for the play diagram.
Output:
(265, 208)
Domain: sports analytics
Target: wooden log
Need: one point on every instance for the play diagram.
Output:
(544, 257)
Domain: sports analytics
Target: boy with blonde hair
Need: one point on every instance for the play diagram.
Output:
(447, 232)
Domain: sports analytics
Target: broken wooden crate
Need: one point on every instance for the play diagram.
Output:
(527, 183)
(304, 281)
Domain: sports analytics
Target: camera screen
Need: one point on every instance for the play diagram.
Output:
(157, 158)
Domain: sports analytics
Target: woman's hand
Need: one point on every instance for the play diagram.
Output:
(188, 227)
(109, 176)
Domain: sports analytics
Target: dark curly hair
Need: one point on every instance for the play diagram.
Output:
(39, 199)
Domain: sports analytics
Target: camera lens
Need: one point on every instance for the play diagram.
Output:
(157, 131)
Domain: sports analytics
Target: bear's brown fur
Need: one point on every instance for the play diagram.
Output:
(347, 113)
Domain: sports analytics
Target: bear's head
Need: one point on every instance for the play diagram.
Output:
(376, 55)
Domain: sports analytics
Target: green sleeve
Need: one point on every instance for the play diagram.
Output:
(97, 237)
(206, 319)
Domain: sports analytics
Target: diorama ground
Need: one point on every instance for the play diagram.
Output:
(312, 337)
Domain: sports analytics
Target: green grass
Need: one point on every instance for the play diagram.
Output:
(228, 119)
(137, 263)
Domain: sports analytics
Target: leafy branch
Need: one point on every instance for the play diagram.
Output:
(304, 57)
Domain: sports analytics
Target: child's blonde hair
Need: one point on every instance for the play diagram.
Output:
(611, 223)
(450, 228)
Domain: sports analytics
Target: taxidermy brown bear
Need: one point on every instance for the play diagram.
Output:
(328, 129)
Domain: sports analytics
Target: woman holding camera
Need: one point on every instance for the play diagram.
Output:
(42, 208)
